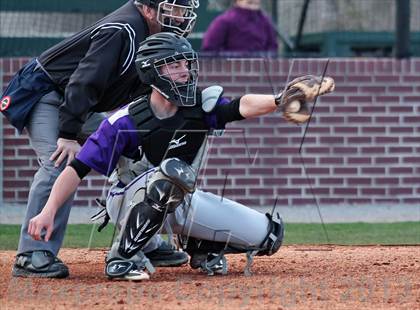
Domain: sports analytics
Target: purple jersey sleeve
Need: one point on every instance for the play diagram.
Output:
(211, 118)
(115, 136)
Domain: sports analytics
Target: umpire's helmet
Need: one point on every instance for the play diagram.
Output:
(170, 12)
(160, 50)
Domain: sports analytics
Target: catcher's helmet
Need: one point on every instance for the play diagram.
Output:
(163, 49)
(176, 16)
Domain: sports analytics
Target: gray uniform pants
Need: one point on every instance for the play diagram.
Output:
(43, 134)
(207, 217)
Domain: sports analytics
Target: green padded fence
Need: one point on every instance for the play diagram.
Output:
(82, 6)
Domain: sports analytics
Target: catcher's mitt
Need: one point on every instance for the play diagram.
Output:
(294, 100)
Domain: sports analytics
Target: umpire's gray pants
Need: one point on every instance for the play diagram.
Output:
(43, 133)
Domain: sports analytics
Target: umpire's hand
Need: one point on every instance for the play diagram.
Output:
(44, 220)
(65, 148)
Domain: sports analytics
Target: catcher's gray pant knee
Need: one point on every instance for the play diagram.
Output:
(43, 133)
(213, 218)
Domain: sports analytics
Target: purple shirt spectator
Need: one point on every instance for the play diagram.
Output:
(241, 31)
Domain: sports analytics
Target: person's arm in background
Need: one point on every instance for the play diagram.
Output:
(87, 84)
(215, 37)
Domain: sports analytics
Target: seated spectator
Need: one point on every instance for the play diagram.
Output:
(243, 30)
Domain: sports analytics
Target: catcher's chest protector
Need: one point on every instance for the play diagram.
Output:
(179, 136)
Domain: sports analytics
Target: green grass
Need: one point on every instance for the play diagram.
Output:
(78, 236)
(354, 233)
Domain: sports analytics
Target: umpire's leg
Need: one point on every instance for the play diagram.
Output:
(43, 133)
(38, 258)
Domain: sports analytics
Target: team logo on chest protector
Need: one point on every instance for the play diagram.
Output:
(174, 143)
(179, 136)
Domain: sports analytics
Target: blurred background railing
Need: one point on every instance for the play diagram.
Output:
(306, 28)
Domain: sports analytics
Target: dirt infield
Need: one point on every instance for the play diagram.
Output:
(298, 277)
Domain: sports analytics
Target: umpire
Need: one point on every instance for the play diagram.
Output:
(58, 98)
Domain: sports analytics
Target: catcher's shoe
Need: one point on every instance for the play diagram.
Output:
(39, 264)
(209, 263)
(119, 269)
(166, 256)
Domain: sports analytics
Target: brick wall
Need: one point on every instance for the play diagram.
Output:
(362, 147)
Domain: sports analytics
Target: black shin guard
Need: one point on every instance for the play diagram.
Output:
(144, 220)
(165, 193)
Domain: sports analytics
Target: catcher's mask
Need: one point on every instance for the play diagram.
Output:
(155, 60)
(175, 16)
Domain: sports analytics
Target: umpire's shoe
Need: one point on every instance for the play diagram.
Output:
(166, 256)
(39, 264)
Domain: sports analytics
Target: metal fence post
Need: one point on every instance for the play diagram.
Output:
(402, 31)
(1, 143)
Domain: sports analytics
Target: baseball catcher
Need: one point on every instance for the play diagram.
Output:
(166, 132)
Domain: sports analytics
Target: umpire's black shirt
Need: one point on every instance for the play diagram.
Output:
(95, 67)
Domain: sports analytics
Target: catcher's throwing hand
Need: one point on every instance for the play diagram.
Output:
(299, 92)
(37, 224)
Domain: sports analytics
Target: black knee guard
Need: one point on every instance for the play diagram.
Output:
(180, 173)
(165, 192)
